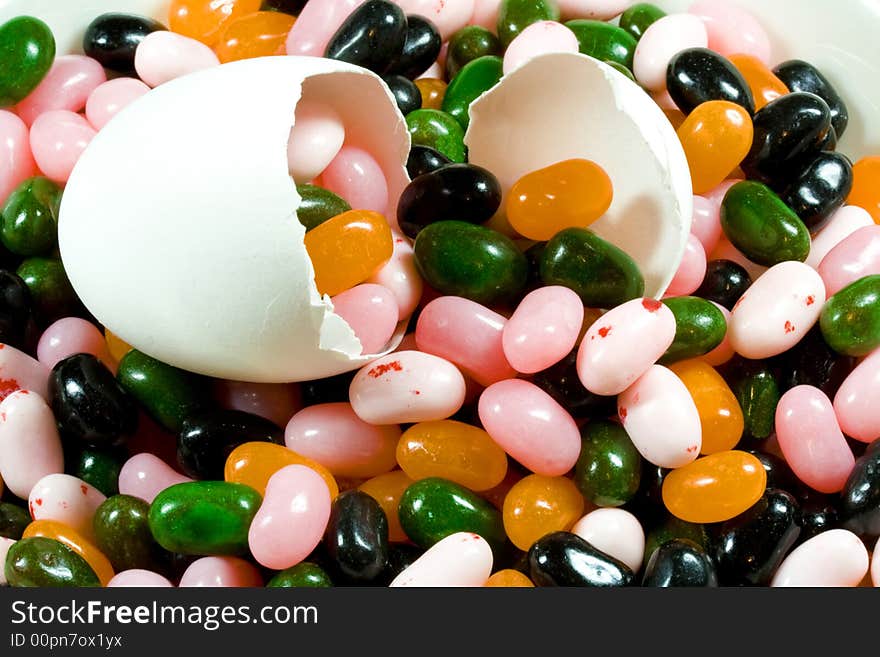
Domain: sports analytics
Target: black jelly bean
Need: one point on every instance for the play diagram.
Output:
(15, 308)
(812, 362)
(372, 36)
(424, 159)
(680, 563)
(820, 189)
(798, 75)
(724, 283)
(698, 75)
(421, 47)
(113, 38)
(860, 498)
(818, 514)
(561, 382)
(566, 559)
(779, 475)
(400, 557)
(13, 520)
(406, 93)
(356, 539)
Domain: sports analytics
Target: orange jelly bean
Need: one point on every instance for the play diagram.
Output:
(74, 540)
(254, 463)
(510, 579)
(714, 488)
(762, 81)
(433, 91)
(262, 34)
(866, 186)
(720, 413)
(568, 194)
(204, 20)
(387, 489)
(348, 249)
(452, 450)
(716, 137)
(115, 345)
(538, 505)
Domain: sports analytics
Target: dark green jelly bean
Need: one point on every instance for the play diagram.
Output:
(15, 308)
(13, 520)
(302, 575)
(406, 93)
(27, 50)
(468, 44)
(820, 189)
(859, 505)
(204, 517)
(438, 130)
(699, 75)
(88, 402)
(206, 439)
(43, 562)
(292, 7)
(812, 362)
(565, 559)
(434, 508)
(371, 37)
(463, 191)
(516, 15)
(30, 218)
(850, 320)
(472, 81)
(113, 38)
(757, 391)
(699, 328)
(561, 382)
(470, 261)
(533, 257)
(356, 538)
(724, 283)
(620, 68)
(122, 532)
(317, 205)
(672, 529)
(168, 394)
(680, 563)
(639, 18)
(604, 41)
(51, 292)
(423, 159)
(100, 466)
(751, 546)
(421, 47)
(798, 75)
(601, 274)
(762, 226)
(609, 469)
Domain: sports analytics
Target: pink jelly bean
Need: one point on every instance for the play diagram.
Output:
(538, 39)
(292, 518)
(530, 426)
(486, 14)
(448, 17)
(601, 10)
(732, 30)
(459, 560)
(716, 195)
(543, 329)
(66, 86)
(843, 223)
(661, 419)
(58, 138)
(659, 44)
(146, 475)
(221, 572)
(401, 276)
(138, 578)
(30, 447)
(68, 500)
(706, 223)
(163, 56)
(875, 565)
(18, 371)
(691, 271)
(724, 351)
(335, 437)
(435, 72)
(855, 257)
(16, 161)
(371, 312)
(664, 100)
(855, 403)
(407, 386)
(355, 175)
(315, 140)
(274, 401)
(811, 439)
(724, 250)
(316, 25)
(777, 311)
(623, 344)
(72, 335)
(5, 544)
(835, 558)
(615, 532)
(467, 334)
(110, 98)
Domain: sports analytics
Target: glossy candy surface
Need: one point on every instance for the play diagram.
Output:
(855, 257)
(543, 329)
(462, 559)
(699, 75)
(639, 17)
(820, 190)
(387, 489)
(318, 205)
(261, 34)
(516, 15)
(67, 85)
(474, 79)
(30, 447)
(354, 174)
(603, 41)
(854, 404)
(680, 562)
(122, 532)
(763, 83)
(537, 506)
(860, 497)
(113, 38)
(27, 47)
(660, 42)
(163, 56)
(700, 327)
(468, 44)
(565, 559)
(356, 538)
(836, 558)
(866, 186)
(800, 76)
(721, 418)
(45, 562)
(254, 463)
(439, 130)
(725, 282)
(205, 21)
(420, 49)
(608, 470)
(372, 36)
(850, 320)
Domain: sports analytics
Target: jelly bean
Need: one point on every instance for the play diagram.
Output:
(680, 563)
(58, 138)
(261, 34)
(820, 189)
(732, 29)
(116, 345)
(302, 575)
(45, 562)
(699, 328)
(30, 217)
(356, 539)
(68, 500)
(5, 544)
(565, 559)
(727, 251)
(812, 362)
(67, 85)
(486, 13)
(13, 520)
(69, 336)
(316, 24)
(28, 49)
(699, 75)
(439, 130)
(530, 426)
(715, 488)
(538, 505)
(764, 85)
(836, 558)
(672, 528)
(725, 282)
(464, 191)
(122, 532)
(854, 404)
(691, 270)
(537, 39)
(318, 205)
(660, 42)
(799, 76)
(615, 532)
(875, 566)
(276, 402)
(462, 559)
(165, 56)
(423, 159)
(864, 194)
(315, 141)
(757, 392)
(421, 48)
(15, 310)
(110, 97)
(113, 38)
(432, 90)
(371, 312)
(720, 415)
(354, 175)
(139, 578)
(514, 16)
(401, 277)
(473, 80)
(372, 36)
(99, 467)
(706, 222)
(221, 572)
(254, 463)
(387, 489)
(15, 154)
(639, 17)
(608, 470)
(205, 21)
(145, 476)
(817, 516)
(855, 257)
(75, 542)
(406, 93)
(860, 497)
(603, 41)
(336, 267)
(18, 371)
(52, 294)
(509, 578)
(850, 320)
(475, 262)
(468, 44)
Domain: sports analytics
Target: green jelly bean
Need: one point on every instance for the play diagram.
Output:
(318, 205)
(471, 261)
(432, 509)
(169, 395)
(620, 68)
(516, 15)
(757, 391)
(302, 575)
(468, 44)
(204, 517)
(29, 219)
(762, 226)
(699, 328)
(476, 78)
(604, 41)
(638, 18)
(27, 50)
(438, 130)
(122, 532)
(675, 528)
(52, 294)
(44, 562)
(100, 467)
(602, 274)
(13, 520)
(609, 469)
(850, 320)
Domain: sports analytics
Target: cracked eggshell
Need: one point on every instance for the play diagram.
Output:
(178, 225)
(561, 106)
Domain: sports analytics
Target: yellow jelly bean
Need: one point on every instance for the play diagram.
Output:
(720, 413)
(387, 489)
(74, 540)
(116, 345)
(254, 463)
(538, 505)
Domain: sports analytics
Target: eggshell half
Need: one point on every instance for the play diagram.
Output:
(178, 225)
(561, 106)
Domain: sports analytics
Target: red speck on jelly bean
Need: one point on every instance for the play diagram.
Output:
(84, 489)
(379, 370)
(604, 331)
(811, 300)
(789, 327)
(622, 413)
(651, 305)
(7, 387)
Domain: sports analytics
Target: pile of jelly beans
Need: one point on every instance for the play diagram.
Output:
(542, 423)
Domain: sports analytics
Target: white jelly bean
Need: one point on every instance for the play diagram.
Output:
(18, 371)
(138, 578)
(30, 447)
(659, 44)
(615, 532)
(68, 500)
(315, 140)
(163, 56)
(835, 558)
(459, 560)
(842, 224)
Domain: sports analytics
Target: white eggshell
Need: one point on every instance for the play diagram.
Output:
(178, 225)
(561, 106)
